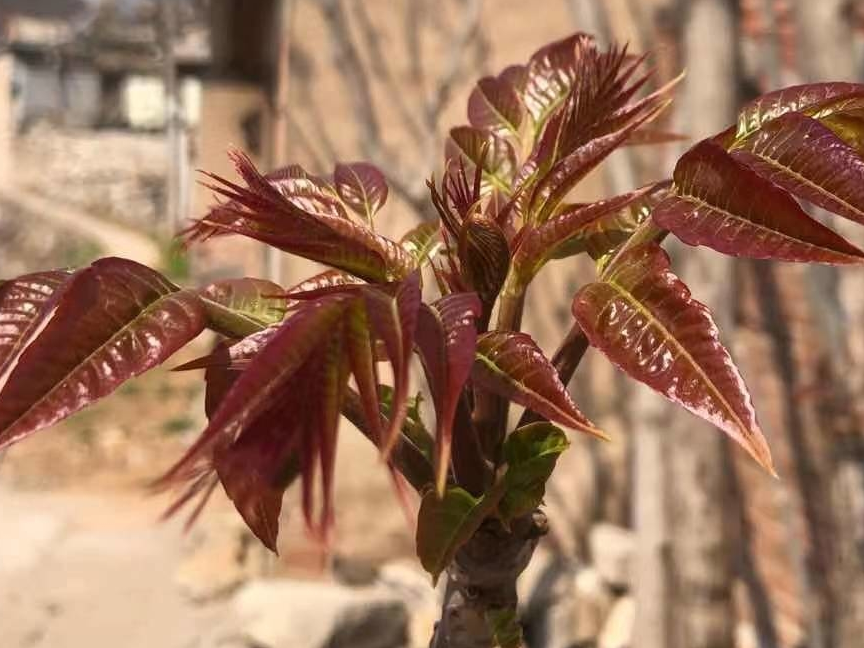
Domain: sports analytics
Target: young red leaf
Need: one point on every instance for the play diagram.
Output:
(722, 203)
(221, 374)
(257, 468)
(643, 318)
(554, 186)
(264, 211)
(550, 75)
(362, 187)
(361, 357)
(113, 321)
(263, 382)
(332, 385)
(795, 98)
(511, 365)
(447, 338)
(239, 307)
(423, 242)
(568, 229)
(608, 233)
(484, 150)
(484, 255)
(808, 160)
(25, 304)
(494, 105)
(394, 321)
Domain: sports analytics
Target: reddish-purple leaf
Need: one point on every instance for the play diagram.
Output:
(320, 284)
(493, 154)
(361, 357)
(795, 98)
(239, 307)
(447, 338)
(257, 467)
(484, 255)
(220, 376)
(261, 385)
(25, 304)
(113, 321)
(423, 242)
(554, 186)
(550, 74)
(495, 105)
(332, 384)
(643, 318)
(262, 210)
(362, 187)
(722, 203)
(540, 244)
(394, 321)
(511, 365)
(808, 160)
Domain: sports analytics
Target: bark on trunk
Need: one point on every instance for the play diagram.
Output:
(481, 581)
(697, 482)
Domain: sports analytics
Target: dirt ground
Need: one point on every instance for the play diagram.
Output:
(84, 560)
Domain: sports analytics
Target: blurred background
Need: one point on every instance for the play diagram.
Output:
(664, 538)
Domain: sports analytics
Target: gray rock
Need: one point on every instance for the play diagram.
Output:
(568, 606)
(592, 604)
(409, 583)
(612, 550)
(618, 629)
(282, 613)
(219, 556)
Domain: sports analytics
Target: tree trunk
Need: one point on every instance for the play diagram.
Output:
(827, 52)
(481, 582)
(697, 481)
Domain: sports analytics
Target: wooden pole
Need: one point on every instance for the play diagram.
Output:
(280, 101)
(173, 117)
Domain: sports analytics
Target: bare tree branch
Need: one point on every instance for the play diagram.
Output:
(296, 131)
(454, 66)
(371, 39)
(414, 14)
(350, 66)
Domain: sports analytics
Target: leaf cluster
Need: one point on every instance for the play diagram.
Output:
(291, 362)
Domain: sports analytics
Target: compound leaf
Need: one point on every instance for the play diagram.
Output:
(643, 318)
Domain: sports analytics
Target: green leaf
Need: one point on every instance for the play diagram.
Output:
(531, 453)
(445, 524)
(239, 307)
(413, 429)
